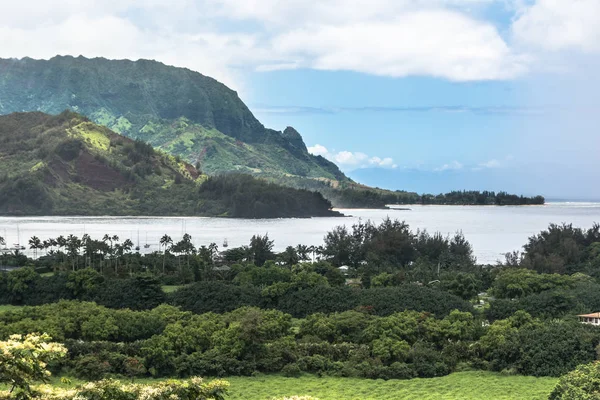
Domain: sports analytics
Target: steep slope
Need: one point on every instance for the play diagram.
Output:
(177, 110)
(68, 165)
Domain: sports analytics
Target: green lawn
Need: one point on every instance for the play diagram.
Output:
(461, 385)
(473, 385)
(170, 288)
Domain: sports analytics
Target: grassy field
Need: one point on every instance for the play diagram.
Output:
(474, 385)
(170, 288)
(461, 385)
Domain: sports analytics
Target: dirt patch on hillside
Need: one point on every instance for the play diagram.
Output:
(192, 171)
(97, 175)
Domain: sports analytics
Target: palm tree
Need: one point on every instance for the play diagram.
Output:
(45, 245)
(126, 249)
(61, 242)
(107, 238)
(73, 246)
(187, 247)
(35, 243)
(164, 241)
(88, 248)
(303, 251)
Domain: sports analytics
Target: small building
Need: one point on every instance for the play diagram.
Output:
(592, 319)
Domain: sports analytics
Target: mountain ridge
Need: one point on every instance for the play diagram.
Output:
(174, 109)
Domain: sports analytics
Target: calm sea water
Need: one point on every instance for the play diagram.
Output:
(491, 230)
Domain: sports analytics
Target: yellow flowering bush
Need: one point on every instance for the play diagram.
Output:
(192, 389)
(24, 359)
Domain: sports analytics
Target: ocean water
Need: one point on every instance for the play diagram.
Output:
(491, 230)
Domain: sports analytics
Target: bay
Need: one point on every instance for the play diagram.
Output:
(491, 230)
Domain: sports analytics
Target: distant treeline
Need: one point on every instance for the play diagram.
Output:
(375, 198)
(352, 195)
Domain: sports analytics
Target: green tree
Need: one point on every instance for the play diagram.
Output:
(18, 282)
(261, 248)
(35, 243)
(165, 242)
(84, 283)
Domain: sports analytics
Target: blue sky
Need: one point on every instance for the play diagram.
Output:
(426, 95)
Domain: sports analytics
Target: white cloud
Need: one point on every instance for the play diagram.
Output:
(453, 166)
(491, 164)
(218, 37)
(556, 25)
(318, 150)
(385, 162)
(397, 38)
(439, 43)
(349, 160)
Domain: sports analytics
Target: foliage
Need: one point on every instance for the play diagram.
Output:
(204, 297)
(24, 359)
(564, 249)
(242, 196)
(361, 197)
(192, 389)
(583, 383)
(514, 282)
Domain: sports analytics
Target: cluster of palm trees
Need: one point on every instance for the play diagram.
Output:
(71, 247)
(110, 250)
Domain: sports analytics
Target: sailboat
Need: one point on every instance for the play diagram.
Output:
(146, 246)
(137, 247)
(18, 246)
(225, 244)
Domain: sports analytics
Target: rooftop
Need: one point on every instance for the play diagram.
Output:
(593, 315)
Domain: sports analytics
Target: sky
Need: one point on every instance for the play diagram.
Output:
(424, 95)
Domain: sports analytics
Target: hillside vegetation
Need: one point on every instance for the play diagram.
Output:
(67, 165)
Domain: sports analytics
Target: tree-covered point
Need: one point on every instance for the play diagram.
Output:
(246, 197)
(66, 165)
(377, 198)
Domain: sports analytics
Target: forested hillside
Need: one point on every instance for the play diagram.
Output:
(67, 165)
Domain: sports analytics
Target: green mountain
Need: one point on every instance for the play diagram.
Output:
(174, 109)
(192, 116)
(68, 165)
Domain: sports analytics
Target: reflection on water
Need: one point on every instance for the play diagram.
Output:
(491, 230)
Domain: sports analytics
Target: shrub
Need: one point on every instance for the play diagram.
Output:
(291, 371)
(581, 384)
